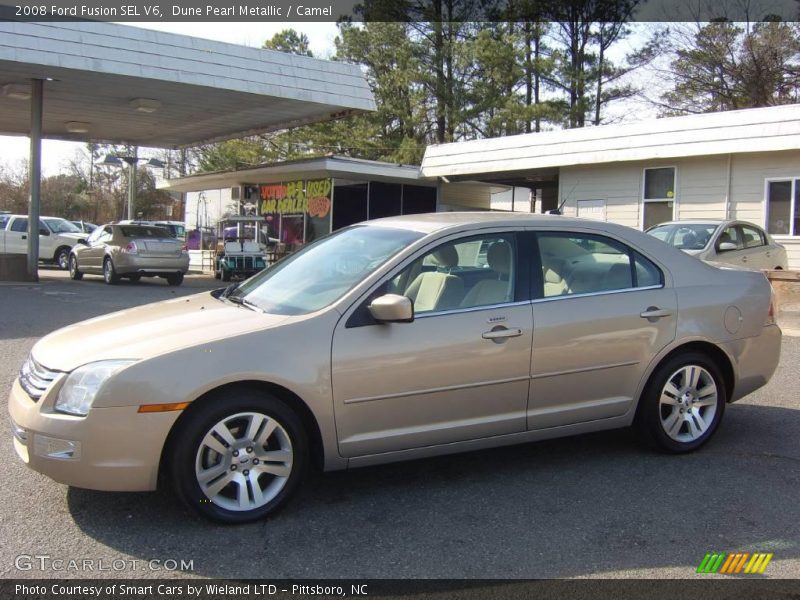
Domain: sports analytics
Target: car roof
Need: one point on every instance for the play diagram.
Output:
(694, 222)
(432, 222)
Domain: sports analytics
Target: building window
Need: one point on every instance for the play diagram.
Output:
(658, 195)
(659, 184)
(783, 207)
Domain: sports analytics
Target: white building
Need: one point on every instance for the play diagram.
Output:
(741, 164)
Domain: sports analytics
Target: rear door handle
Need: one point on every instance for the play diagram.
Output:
(501, 333)
(653, 312)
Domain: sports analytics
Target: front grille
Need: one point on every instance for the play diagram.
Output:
(35, 378)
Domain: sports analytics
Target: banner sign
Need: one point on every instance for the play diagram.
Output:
(312, 196)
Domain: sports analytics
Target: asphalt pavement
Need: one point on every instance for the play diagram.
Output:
(597, 505)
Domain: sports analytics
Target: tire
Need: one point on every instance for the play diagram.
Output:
(677, 416)
(225, 275)
(228, 483)
(134, 277)
(109, 274)
(61, 258)
(175, 279)
(74, 272)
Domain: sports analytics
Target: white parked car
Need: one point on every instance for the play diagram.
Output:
(56, 237)
(734, 242)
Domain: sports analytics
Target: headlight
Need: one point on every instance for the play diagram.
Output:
(80, 388)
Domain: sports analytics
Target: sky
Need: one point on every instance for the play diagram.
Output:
(57, 154)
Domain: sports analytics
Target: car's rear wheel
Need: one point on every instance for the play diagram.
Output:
(74, 272)
(240, 458)
(175, 279)
(683, 403)
(109, 274)
(62, 258)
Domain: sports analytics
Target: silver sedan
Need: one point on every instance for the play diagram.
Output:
(396, 339)
(131, 251)
(732, 242)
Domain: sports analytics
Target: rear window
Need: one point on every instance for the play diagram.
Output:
(142, 231)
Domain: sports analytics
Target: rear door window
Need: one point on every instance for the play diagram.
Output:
(577, 263)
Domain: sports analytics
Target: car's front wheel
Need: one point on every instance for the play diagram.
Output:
(62, 258)
(238, 457)
(683, 403)
(74, 272)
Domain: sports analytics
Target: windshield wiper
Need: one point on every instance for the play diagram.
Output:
(243, 302)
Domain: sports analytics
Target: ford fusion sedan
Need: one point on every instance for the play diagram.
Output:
(733, 242)
(396, 339)
(130, 251)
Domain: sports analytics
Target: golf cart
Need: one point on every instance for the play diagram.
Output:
(240, 249)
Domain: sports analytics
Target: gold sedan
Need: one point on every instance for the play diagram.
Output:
(396, 339)
(131, 251)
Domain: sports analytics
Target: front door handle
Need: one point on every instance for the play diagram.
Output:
(24, 237)
(653, 312)
(500, 333)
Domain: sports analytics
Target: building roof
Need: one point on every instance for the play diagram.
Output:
(306, 168)
(207, 90)
(754, 130)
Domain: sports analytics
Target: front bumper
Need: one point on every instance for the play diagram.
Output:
(111, 449)
(125, 264)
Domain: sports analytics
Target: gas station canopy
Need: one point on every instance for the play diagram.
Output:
(119, 84)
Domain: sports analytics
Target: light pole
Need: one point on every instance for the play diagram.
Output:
(132, 161)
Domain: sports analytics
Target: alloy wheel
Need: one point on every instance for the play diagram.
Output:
(244, 461)
(63, 260)
(688, 403)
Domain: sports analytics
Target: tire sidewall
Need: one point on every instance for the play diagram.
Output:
(193, 428)
(65, 253)
(649, 418)
(109, 275)
(74, 272)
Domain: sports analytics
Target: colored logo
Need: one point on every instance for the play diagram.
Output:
(732, 564)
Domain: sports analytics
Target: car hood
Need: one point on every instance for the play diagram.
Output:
(72, 235)
(149, 330)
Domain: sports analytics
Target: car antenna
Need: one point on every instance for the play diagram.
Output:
(557, 211)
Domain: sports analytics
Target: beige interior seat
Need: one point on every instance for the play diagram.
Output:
(437, 290)
(498, 289)
(231, 247)
(554, 284)
(618, 277)
(250, 246)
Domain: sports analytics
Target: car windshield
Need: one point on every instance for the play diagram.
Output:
(324, 271)
(61, 226)
(685, 236)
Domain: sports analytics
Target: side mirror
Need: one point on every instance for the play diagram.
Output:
(44, 231)
(392, 308)
(727, 247)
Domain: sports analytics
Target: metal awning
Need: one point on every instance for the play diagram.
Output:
(305, 168)
(194, 90)
(102, 82)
